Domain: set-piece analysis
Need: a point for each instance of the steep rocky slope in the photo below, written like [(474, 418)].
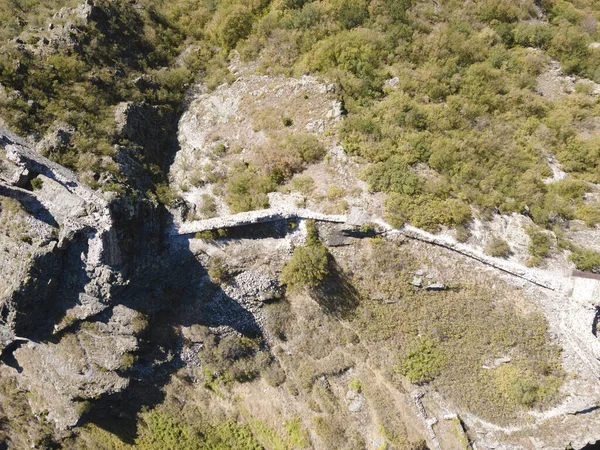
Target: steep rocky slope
[(142, 302)]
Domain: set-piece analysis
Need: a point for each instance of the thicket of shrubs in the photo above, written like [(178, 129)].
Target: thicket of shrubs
[(464, 101)]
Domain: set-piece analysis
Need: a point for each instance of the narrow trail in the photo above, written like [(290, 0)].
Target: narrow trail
[(536, 277), (252, 218)]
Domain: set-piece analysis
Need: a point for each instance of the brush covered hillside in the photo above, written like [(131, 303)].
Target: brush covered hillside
[(288, 224)]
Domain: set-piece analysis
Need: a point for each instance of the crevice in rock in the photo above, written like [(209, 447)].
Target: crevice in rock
[(596, 321)]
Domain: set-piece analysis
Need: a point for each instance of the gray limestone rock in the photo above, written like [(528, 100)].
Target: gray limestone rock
[(417, 281), (436, 287)]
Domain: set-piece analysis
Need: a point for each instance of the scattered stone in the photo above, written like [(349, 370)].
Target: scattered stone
[(357, 403), (504, 360), (436, 287), (417, 282), (497, 363), (324, 382)]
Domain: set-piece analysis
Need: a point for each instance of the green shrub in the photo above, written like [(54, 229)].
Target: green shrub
[(231, 25), (161, 431), (209, 206), (498, 247), (246, 191), (127, 361), (220, 149), (586, 260), (589, 213), (166, 194), (309, 264), (355, 385), (393, 175), (425, 211), (351, 13), (211, 234), (335, 192), (234, 358), (540, 243), (307, 268), (37, 183), (308, 147), (423, 362), (217, 270), (303, 184)]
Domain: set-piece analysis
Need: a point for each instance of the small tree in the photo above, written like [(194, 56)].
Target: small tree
[(423, 362), (309, 264), (540, 243), (498, 247), (307, 268)]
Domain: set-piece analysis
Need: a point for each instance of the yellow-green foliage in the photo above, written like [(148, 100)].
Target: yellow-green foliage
[(355, 385), (303, 184), (423, 362), (282, 160), (127, 361), (247, 190), (444, 338), (307, 268), (540, 243), (295, 436), (497, 247), (465, 103), (587, 260), (159, 431), (309, 264), (233, 358)]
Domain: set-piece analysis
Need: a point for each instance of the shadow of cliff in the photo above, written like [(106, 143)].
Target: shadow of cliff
[(70, 285), (172, 290)]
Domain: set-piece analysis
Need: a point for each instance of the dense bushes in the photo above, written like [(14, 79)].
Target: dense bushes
[(463, 104), (425, 211), (247, 190), (587, 260), (117, 55), (497, 247), (161, 431), (423, 362)]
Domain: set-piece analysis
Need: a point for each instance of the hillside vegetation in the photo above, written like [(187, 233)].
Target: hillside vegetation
[(461, 125), (444, 116)]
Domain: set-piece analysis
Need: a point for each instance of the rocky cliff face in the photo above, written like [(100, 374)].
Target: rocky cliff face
[(62, 265)]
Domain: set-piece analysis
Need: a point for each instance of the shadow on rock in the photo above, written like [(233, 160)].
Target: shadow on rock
[(176, 293), (336, 294)]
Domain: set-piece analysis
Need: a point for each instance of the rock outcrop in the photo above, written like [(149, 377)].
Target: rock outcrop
[(61, 265)]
